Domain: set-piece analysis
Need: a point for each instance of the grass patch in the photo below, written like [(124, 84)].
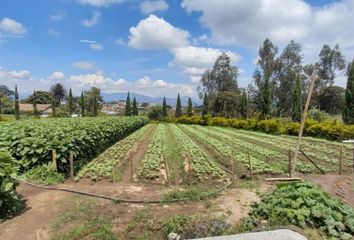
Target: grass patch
[(80, 221), (246, 185), (44, 175), (192, 194)]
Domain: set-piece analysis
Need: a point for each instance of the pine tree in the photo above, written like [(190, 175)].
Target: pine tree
[(135, 108), (266, 99), (205, 110), (70, 103), (190, 108), (128, 106), (297, 101), (17, 106), (348, 112), (34, 102), (244, 105), (82, 104), (164, 107), (178, 107)]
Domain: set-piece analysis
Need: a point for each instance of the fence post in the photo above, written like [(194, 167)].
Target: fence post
[(250, 164), (54, 160), (340, 160), (71, 160)]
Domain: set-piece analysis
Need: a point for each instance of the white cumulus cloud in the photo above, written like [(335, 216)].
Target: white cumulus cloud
[(57, 16), (148, 7), (100, 3), (11, 26), (56, 76), (155, 33)]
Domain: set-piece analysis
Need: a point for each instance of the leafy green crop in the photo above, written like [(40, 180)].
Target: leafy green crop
[(44, 174), (305, 205), (31, 141), (10, 202)]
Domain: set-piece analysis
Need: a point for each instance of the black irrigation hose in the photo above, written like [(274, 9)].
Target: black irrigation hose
[(122, 200)]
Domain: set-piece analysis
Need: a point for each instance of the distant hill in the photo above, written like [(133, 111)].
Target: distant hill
[(143, 98)]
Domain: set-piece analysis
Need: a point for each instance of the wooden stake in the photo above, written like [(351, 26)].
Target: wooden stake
[(353, 157), (340, 160), (71, 160), (309, 95), (165, 163), (189, 169), (250, 164), (232, 164), (54, 160), (290, 173)]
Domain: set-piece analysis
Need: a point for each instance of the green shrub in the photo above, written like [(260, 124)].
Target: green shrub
[(332, 130), (304, 205), (175, 224), (44, 175), (10, 202)]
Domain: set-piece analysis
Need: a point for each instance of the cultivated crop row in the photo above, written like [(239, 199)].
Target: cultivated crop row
[(229, 152), (201, 165), (110, 164), (153, 159), (31, 141), (324, 152)]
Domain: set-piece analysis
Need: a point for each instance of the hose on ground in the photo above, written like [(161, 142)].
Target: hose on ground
[(122, 200)]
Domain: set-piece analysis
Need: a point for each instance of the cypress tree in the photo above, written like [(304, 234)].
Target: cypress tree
[(205, 110), (17, 106), (128, 106), (82, 104), (34, 102), (190, 108), (297, 101), (178, 107), (164, 107), (135, 108), (348, 112), (266, 98), (244, 105), (94, 105), (70, 103)]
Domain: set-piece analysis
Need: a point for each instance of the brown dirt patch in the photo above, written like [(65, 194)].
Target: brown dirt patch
[(340, 186), (137, 154)]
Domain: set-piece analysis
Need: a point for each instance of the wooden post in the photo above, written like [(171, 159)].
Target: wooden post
[(189, 169), (165, 163), (353, 158), (54, 160), (312, 84), (71, 160), (340, 160), (290, 173), (250, 164)]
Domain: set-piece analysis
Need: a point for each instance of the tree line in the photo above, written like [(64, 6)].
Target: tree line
[(279, 85)]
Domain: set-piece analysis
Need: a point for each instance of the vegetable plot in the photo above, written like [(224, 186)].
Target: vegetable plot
[(202, 166), (109, 164), (31, 141), (150, 165)]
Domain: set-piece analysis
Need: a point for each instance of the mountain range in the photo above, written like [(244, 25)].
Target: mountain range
[(143, 98)]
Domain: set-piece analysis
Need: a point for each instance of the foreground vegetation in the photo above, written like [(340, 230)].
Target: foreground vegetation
[(31, 142)]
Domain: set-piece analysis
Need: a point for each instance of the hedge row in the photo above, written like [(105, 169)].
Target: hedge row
[(31, 141), (330, 130)]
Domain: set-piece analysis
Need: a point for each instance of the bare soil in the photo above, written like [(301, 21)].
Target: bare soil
[(137, 154)]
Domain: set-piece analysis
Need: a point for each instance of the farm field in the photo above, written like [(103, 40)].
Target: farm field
[(161, 162)]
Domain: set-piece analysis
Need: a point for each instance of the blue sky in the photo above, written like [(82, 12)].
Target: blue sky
[(156, 47)]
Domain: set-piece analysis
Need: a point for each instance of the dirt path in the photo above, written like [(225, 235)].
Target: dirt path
[(41, 207), (338, 186), (138, 155)]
